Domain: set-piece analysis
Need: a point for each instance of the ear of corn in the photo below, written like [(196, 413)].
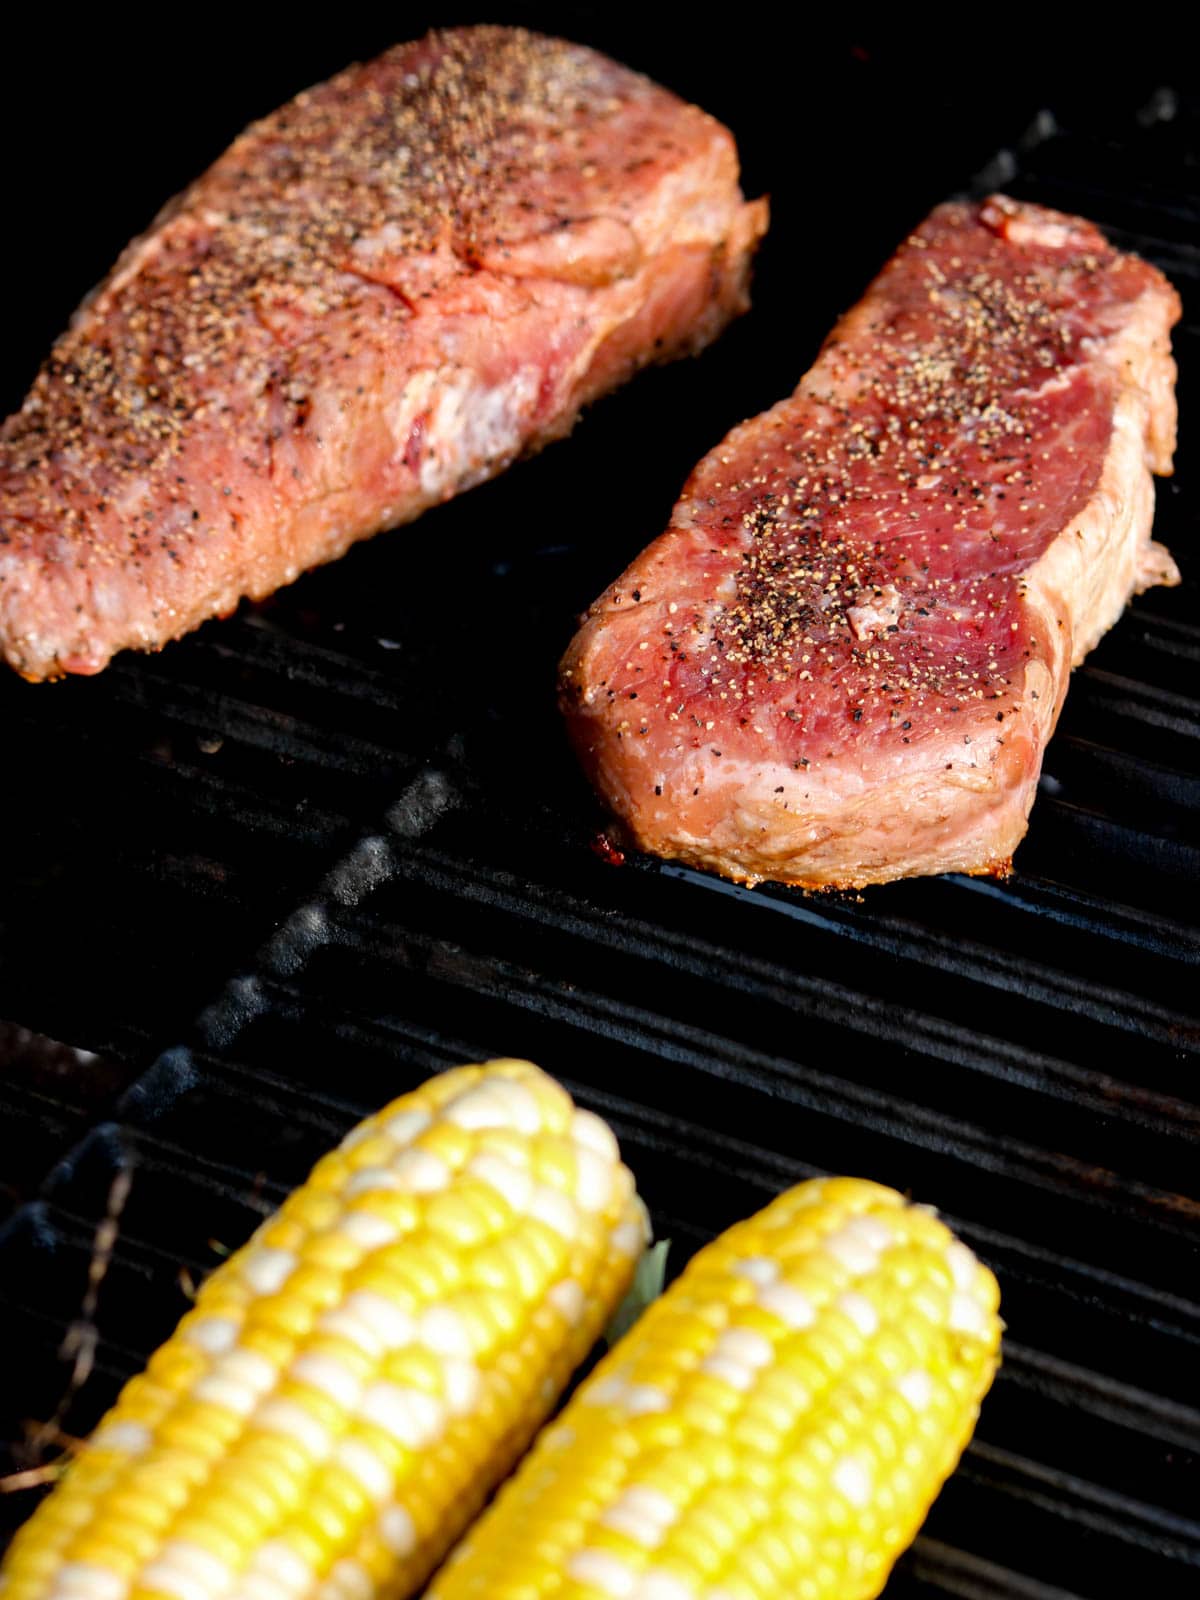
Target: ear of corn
[(353, 1382), (774, 1428)]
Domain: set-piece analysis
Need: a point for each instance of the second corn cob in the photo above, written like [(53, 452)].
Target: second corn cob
[(352, 1383), (775, 1427)]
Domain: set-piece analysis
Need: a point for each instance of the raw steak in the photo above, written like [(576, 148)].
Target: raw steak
[(843, 660), (380, 295)]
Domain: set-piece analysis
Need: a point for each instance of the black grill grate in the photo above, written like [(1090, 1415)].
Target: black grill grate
[(405, 817)]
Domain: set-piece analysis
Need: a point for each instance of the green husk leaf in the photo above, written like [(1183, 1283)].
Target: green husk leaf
[(648, 1281)]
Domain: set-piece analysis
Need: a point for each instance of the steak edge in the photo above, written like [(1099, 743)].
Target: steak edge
[(842, 662), (382, 294)]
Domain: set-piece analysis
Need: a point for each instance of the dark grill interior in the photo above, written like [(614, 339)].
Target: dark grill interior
[(278, 874)]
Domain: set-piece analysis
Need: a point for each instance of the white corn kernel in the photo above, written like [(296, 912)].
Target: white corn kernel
[(968, 1316), (789, 1304), (398, 1531), (330, 1377), (917, 1389), (556, 1210), (84, 1581), (345, 1325), (367, 1229), (388, 1322), (500, 1103), (654, 1585), (228, 1393), (851, 1479), (405, 1126), (629, 1238), (508, 1180), (731, 1372), (567, 1297), (131, 1438), (445, 1332), (603, 1571), (594, 1180), (759, 1269), (463, 1385), (963, 1266), (365, 1466), (638, 1528), (276, 1559), (643, 1515), (248, 1367), (258, 1586), (642, 1398), (653, 1503), (214, 1334), (347, 1580), (285, 1416), (593, 1133), (180, 1585), (267, 1270), (854, 1253), (367, 1180), (745, 1346), (861, 1313), (414, 1418), (871, 1231), (420, 1171), (188, 1557), (608, 1391)]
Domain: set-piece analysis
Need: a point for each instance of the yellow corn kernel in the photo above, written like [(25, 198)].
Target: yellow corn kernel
[(351, 1384), (777, 1424)]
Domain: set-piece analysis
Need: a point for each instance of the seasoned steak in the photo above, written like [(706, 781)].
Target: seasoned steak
[(842, 661), (380, 295)]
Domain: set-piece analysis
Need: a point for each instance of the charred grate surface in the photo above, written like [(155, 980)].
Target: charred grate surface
[(357, 852)]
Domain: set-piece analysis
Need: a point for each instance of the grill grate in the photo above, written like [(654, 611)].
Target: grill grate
[(405, 817)]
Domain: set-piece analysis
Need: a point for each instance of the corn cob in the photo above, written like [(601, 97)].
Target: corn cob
[(353, 1382), (776, 1425)]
